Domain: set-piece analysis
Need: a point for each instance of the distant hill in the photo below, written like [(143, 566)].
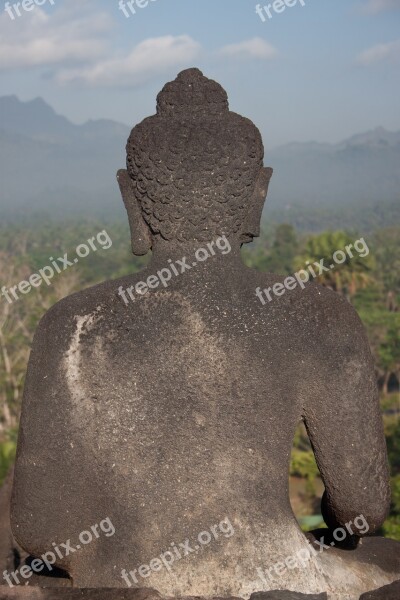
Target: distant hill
[(48, 163), (363, 169), (355, 183), (38, 121)]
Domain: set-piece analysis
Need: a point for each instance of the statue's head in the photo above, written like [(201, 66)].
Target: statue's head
[(195, 170)]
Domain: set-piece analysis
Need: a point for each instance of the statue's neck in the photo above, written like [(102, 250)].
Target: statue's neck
[(213, 255)]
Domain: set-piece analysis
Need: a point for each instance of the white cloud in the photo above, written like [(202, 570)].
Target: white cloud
[(150, 57), (75, 41), (373, 7), (68, 36), (254, 48), (381, 52)]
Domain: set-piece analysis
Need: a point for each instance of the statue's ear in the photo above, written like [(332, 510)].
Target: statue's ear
[(264, 178), (251, 226), (140, 232)]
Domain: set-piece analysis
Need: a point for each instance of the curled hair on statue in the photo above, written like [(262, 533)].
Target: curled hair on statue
[(195, 164)]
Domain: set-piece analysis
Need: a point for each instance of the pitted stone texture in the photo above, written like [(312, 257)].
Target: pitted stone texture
[(139, 594), (388, 592), (24, 593), (11, 554), (282, 595), (194, 158), (175, 412), (7, 557)]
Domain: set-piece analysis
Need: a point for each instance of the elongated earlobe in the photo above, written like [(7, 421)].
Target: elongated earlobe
[(263, 183), (251, 226), (140, 233)]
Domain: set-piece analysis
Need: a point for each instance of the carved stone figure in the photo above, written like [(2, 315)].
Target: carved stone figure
[(166, 402)]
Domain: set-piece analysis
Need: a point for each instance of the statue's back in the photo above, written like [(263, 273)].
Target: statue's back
[(165, 404)]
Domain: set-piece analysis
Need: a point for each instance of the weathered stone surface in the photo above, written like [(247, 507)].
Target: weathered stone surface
[(27, 593), (7, 558), (171, 411), (12, 556), (388, 592), (138, 594), (281, 595)]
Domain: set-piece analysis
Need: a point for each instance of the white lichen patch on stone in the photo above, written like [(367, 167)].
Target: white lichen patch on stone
[(74, 356)]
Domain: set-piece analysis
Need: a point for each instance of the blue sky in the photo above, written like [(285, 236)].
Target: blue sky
[(320, 72)]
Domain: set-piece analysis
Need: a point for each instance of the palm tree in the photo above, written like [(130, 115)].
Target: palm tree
[(348, 269)]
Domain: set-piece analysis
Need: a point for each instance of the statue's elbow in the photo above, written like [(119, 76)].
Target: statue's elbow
[(364, 515), (376, 514)]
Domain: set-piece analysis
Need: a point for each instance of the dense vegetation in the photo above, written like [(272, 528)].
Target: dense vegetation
[(371, 283), (369, 216)]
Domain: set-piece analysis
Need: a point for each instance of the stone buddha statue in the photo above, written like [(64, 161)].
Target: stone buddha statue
[(166, 402)]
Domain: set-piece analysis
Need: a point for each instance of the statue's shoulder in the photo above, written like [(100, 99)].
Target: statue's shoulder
[(308, 298), (63, 315), (329, 304), (331, 318)]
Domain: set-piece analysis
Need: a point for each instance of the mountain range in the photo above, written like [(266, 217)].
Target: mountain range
[(48, 163)]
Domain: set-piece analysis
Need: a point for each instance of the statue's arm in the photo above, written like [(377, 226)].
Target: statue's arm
[(42, 424), (344, 424)]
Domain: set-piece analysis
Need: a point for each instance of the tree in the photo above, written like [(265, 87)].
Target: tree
[(389, 355), (346, 278), (276, 257)]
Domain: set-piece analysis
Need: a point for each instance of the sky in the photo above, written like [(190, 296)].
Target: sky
[(319, 72)]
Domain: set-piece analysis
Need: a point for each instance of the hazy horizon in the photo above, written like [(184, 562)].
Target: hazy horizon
[(323, 71), (376, 129)]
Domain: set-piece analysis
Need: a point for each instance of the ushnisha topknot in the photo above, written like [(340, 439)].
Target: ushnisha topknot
[(194, 165), (192, 94)]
